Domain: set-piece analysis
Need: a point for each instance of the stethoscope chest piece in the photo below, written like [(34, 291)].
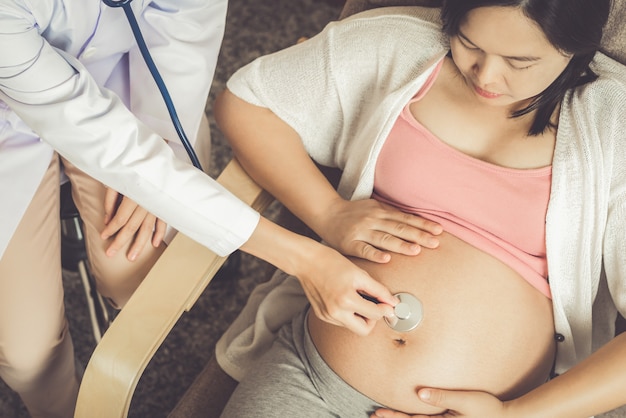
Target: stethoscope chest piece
[(408, 313)]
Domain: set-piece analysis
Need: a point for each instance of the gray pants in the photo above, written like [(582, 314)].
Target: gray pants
[(292, 380)]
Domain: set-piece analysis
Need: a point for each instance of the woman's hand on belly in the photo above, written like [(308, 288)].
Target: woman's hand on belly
[(370, 230), (467, 404)]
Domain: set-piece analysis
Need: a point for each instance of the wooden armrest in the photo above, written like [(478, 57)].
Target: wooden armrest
[(139, 329)]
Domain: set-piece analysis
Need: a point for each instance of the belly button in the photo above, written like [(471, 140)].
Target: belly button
[(399, 342)]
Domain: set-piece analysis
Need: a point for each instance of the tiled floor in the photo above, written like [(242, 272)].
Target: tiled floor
[(254, 27)]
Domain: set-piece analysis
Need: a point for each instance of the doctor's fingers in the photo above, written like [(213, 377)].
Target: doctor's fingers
[(159, 233), (121, 214), (138, 231), (128, 219), (362, 319), (351, 311), (151, 230), (111, 200), (346, 318)]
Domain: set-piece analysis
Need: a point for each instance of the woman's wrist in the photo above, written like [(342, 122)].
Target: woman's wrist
[(321, 221)]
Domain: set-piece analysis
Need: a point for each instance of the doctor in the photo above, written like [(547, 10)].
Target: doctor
[(76, 97)]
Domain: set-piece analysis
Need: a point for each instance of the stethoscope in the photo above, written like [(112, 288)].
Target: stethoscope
[(125, 4), (408, 312)]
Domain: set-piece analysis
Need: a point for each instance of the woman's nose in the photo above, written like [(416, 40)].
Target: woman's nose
[(487, 70)]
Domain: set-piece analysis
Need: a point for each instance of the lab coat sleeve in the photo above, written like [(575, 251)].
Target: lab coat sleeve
[(184, 38), (55, 95)]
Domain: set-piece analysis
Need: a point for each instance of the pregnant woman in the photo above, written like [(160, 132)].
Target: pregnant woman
[(487, 143)]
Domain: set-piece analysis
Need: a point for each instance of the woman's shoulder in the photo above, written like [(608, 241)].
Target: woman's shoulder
[(611, 81), (597, 109), (604, 97), (429, 16), (385, 39), (391, 26)]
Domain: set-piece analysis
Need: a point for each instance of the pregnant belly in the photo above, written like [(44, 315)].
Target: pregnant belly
[(484, 328)]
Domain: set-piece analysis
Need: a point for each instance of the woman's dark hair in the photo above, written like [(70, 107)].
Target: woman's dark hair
[(573, 27)]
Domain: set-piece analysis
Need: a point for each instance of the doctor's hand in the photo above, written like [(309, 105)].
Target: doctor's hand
[(468, 404), (370, 229), (127, 221), (334, 285)]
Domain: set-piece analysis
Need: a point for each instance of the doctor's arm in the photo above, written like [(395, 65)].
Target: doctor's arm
[(33, 75), (184, 39), (143, 168)]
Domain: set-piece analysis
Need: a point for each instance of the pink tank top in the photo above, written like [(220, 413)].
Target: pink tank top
[(498, 210)]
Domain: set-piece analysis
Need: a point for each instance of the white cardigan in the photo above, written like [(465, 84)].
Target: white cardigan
[(70, 71), (342, 91)]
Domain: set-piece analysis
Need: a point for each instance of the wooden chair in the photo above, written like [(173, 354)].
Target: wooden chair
[(122, 355)]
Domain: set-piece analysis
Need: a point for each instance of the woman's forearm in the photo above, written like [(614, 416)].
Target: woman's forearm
[(596, 385), (273, 155)]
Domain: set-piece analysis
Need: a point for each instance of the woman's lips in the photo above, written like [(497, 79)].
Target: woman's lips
[(486, 94)]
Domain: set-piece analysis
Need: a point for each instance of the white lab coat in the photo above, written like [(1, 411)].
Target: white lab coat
[(61, 61)]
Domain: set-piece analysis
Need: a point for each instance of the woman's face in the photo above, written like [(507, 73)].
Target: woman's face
[(504, 56)]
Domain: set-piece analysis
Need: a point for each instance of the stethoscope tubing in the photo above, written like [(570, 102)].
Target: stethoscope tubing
[(145, 53)]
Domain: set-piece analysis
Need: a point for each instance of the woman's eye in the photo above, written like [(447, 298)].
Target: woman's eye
[(466, 45)]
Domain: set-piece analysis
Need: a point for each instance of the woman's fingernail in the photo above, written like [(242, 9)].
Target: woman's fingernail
[(424, 394)]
